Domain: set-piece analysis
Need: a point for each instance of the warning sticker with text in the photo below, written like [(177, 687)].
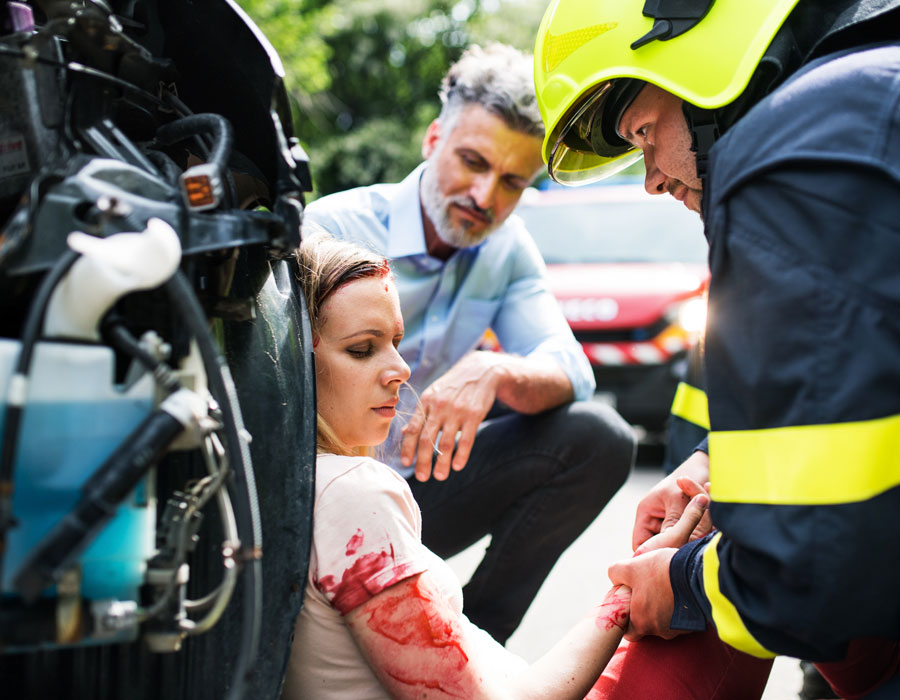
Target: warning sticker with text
[(13, 155)]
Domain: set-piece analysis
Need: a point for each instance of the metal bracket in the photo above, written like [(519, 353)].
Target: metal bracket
[(671, 18)]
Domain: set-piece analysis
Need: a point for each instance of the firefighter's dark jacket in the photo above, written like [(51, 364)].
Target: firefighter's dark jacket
[(803, 367), (689, 418)]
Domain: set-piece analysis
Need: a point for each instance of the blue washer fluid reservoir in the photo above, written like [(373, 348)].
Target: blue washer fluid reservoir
[(74, 419)]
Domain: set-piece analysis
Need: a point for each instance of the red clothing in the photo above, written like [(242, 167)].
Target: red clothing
[(869, 663), (695, 666), (700, 666)]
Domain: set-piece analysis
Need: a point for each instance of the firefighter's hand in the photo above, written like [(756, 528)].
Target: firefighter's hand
[(647, 573), (664, 503), (452, 406), (652, 600)]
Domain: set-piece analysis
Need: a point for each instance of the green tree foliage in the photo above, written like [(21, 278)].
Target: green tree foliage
[(298, 29), (364, 74), (385, 68)]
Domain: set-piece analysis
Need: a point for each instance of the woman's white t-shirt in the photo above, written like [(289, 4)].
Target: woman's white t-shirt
[(367, 536)]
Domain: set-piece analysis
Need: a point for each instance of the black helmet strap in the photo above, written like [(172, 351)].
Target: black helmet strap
[(705, 131), (708, 125)]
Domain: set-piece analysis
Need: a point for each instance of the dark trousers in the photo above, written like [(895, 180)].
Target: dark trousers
[(534, 483)]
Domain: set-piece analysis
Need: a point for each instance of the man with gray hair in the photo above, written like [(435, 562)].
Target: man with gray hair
[(503, 443)]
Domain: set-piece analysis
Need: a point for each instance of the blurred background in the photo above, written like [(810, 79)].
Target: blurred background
[(363, 75)]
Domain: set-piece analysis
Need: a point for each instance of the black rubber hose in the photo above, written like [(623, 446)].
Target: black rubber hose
[(187, 127), (222, 388), (168, 167), (15, 404), (114, 332)]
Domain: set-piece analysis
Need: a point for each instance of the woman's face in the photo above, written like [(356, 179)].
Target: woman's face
[(358, 368)]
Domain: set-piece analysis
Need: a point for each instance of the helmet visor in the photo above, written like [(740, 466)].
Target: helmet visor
[(587, 146)]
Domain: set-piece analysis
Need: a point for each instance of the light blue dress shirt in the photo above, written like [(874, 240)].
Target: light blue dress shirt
[(500, 284)]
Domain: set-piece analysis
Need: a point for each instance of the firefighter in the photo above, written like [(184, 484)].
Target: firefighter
[(778, 121)]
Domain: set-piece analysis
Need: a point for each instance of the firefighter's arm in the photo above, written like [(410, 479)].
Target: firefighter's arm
[(798, 364)]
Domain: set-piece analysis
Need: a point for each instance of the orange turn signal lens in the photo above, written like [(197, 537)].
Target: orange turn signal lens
[(199, 191), (202, 186)]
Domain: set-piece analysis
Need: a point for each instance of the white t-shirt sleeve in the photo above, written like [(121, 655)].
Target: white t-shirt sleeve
[(368, 534)]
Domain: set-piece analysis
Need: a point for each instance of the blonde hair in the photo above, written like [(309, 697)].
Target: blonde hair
[(327, 264)]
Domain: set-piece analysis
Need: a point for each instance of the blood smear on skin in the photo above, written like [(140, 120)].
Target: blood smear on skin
[(418, 620), (406, 621), (613, 611)]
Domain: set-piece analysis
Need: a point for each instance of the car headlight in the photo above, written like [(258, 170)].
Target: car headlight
[(691, 315)]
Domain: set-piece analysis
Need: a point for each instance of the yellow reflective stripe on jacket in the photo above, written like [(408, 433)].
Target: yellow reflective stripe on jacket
[(690, 403), (725, 616), (806, 464)]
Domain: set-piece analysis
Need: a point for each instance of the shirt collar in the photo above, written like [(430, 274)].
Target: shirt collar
[(406, 235)]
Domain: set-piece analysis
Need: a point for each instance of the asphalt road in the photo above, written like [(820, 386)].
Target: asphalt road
[(579, 580)]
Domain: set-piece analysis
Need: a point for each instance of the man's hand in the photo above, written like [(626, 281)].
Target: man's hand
[(454, 404), (664, 503)]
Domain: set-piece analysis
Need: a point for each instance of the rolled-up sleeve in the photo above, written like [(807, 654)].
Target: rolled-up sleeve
[(531, 323)]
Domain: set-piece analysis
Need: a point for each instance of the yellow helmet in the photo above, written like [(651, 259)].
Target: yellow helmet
[(703, 51)]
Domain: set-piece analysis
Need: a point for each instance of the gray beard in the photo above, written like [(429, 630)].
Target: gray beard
[(437, 208)]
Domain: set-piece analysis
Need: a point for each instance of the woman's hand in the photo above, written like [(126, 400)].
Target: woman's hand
[(615, 608), (689, 525), (691, 488), (665, 502)]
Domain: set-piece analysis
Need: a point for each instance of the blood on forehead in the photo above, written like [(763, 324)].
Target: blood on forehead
[(382, 271), (386, 273)]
